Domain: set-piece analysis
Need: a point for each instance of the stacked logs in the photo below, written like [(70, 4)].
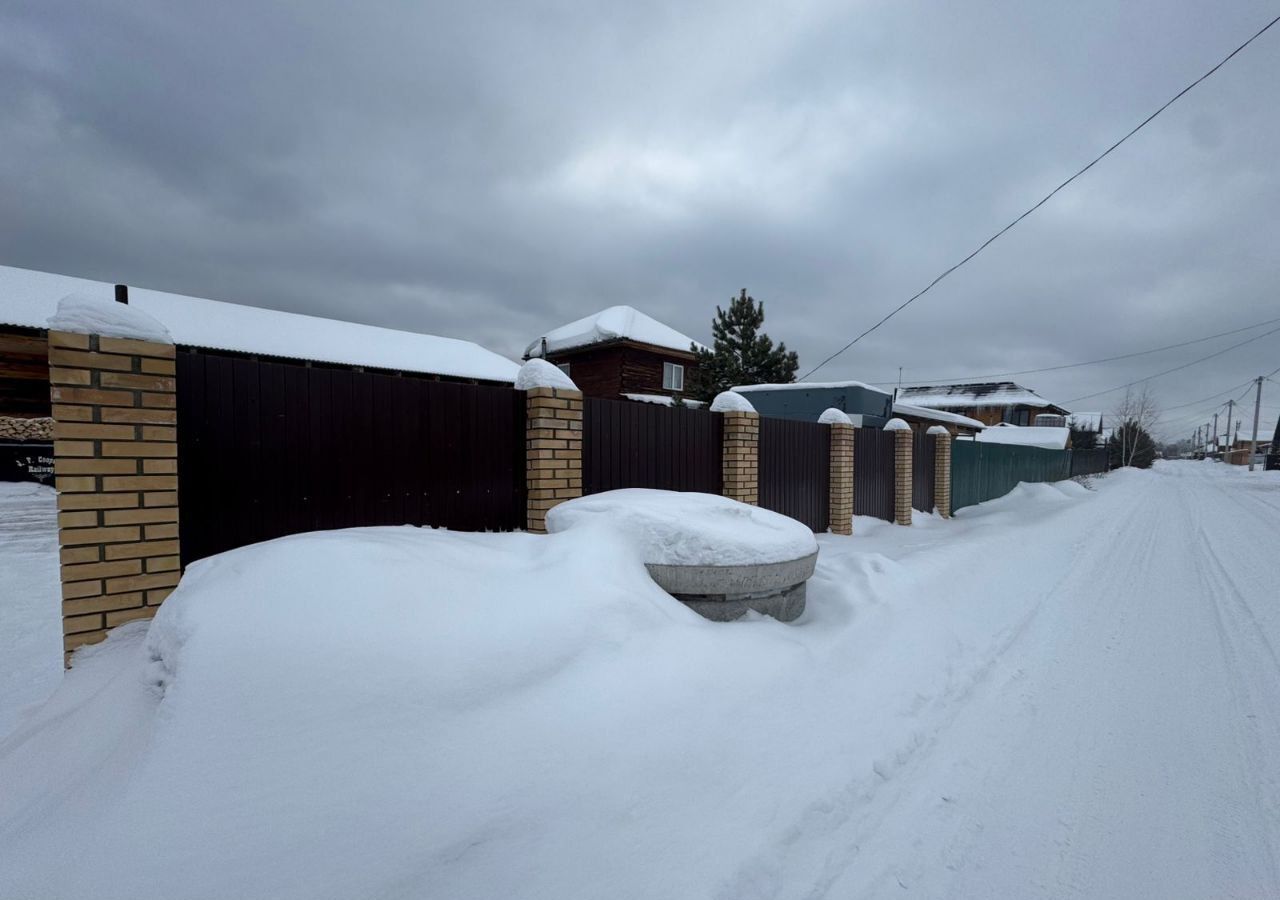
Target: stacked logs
[(13, 428)]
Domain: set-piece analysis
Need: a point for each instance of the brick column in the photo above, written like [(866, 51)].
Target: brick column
[(115, 466), (841, 478), (740, 457), (901, 474), (942, 471), (553, 442)]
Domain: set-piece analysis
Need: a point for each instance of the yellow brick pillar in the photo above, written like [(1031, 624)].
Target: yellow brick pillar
[(901, 470), (116, 471), (740, 457), (841, 471), (941, 470), (553, 442)]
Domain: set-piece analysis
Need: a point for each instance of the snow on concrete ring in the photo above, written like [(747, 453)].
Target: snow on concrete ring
[(716, 555)]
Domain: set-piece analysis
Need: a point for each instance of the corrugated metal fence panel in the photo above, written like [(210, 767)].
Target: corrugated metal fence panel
[(873, 482), (795, 470), (922, 470), (985, 471), (268, 449), (643, 445), (1089, 462)]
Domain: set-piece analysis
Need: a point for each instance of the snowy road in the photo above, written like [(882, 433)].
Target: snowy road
[(1127, 742)]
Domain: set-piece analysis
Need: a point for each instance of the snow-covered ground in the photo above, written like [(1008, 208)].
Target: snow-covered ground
[(30, 603), (1061, 693)]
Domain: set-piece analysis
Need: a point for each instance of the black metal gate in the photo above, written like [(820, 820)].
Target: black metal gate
[(795, 470), (923, 450), (626, 444), (873, 483), (268, 449)]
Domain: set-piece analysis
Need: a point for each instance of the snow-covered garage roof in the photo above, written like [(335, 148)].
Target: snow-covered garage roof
[(617, 323), (972, 396), (1045, 437), (28, 298), (936, 415)]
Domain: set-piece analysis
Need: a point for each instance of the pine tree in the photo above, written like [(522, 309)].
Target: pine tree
[(741, 353)]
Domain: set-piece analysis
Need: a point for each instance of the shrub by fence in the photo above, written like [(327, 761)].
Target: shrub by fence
[(643, 445), (271, 448), (985, 471), (873, 473), (795, 470)]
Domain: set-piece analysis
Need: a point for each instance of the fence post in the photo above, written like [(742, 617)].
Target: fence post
[(553, 459), (901, 470), (841, 478), (941, 470), (116, 471), (741, 456)]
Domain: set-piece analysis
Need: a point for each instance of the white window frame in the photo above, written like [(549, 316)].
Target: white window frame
[(563, 367), (672, 377)]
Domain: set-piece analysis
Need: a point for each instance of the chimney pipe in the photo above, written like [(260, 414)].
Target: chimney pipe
[(122, 294)]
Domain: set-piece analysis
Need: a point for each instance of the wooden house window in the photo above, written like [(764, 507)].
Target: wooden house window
[(672, 377), (563, 367)]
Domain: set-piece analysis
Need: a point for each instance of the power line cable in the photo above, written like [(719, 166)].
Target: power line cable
[(1091, 362), (1175, 368), (1045, 199)]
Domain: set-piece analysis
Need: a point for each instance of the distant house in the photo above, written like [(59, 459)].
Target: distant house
[(990, 403), (866, 405), (621, 353)]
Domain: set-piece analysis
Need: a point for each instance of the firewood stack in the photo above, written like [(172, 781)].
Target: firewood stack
[(16, 429)]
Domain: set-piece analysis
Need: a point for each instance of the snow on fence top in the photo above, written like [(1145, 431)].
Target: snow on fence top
[(671, 528), (938, 430), (82, 314), (663, 400), (945, 396), (833, 416), (538, 373), (613, 324), (896, 425), (1046, 438), (806, 386), (29, 299), (727, 401), (936, 415)]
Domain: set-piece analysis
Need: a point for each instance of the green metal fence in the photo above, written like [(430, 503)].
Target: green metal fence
[(985, 471)]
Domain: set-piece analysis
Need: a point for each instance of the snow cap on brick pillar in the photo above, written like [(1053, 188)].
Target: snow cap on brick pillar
[(942, 470), (901, 470), (739, 454), (841, 480), (112, 383), (553, 439)]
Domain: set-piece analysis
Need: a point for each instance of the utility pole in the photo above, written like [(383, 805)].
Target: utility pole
[(1215, 433), (1230, 444), (1257, 411)]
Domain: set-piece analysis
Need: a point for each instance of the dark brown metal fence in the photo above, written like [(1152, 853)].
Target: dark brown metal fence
[(270, 448), (643, 445), (923, 447), (795, 470), (873, 483)]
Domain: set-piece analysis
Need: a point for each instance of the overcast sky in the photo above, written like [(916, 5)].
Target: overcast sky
[(490, 171)]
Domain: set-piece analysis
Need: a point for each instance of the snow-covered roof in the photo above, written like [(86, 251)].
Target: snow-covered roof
[(29, 298), (1045, 437), (936, 415), (808, 386), (617, 323), (971, 396)]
